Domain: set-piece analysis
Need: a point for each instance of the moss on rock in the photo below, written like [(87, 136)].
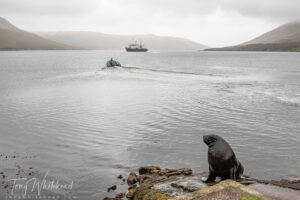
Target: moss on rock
[(224, 190), (146, 193)]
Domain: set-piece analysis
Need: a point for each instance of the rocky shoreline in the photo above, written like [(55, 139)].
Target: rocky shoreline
[(154, 183)]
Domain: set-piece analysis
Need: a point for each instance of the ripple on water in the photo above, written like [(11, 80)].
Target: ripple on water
[(92, 125)]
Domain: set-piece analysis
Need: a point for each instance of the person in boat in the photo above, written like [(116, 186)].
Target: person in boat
[(112, 63)]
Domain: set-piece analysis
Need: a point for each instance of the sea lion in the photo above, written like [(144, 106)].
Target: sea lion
[(221, 159)]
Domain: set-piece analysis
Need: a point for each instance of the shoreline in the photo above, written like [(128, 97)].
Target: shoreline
[(153, 183)]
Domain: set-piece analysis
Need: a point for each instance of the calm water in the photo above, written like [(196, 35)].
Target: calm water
[(61, 114)]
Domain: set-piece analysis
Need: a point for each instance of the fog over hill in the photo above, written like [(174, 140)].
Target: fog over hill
[(96, 40), (13, 38)]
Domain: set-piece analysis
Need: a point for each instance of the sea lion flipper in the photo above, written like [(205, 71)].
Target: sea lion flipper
[(233, 173), (240, 170), (211, 176)]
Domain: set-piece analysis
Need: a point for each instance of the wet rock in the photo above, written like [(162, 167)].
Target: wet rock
[(144, 178), (225, 190), (175, 172), (160, 179), (114, 187), (130, 194), (120, 176), (186, 188), (132, 179), (276, 192), (182, 184), (109, 198), (132, 186), (146, 193), (149, 170), (154, 176), (120, 196), (165, 175), (295, 180), (176, 186), (292, 184)]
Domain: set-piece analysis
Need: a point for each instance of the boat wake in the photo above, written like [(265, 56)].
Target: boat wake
[(133, 72), (286, 99), (142, 74), (165, 71), (290, 100), (150, 74)]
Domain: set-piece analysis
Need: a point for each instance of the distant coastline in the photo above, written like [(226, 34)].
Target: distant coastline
[(271, 47), (285, 38), (13, 38)]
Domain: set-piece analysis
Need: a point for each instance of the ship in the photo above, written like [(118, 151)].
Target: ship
[(135, 47)]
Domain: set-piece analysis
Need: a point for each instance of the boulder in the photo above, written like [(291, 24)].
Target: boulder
[(120, 176), (132, 186), (132, 178), (146, 193), (144, 178), (149, 170), (181, 184), (114, 187), (109, 198), (225, 190), (152, 170), (175, 172), (130, 194), (120, 196)]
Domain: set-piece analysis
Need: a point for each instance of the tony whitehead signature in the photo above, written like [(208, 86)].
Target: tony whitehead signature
[(24, 186)]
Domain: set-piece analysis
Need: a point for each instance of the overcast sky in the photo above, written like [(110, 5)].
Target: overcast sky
[(211, 22)]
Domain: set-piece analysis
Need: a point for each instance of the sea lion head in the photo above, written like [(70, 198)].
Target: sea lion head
[(211, 140)]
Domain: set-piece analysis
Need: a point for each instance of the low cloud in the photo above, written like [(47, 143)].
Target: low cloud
[(270, 9), (213, 22), (287, 10), (48, 7)]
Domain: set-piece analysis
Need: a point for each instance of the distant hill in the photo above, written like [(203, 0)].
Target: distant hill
[(286, 33), (95, 40), (289, 47), (283, 38), (13, 38)]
